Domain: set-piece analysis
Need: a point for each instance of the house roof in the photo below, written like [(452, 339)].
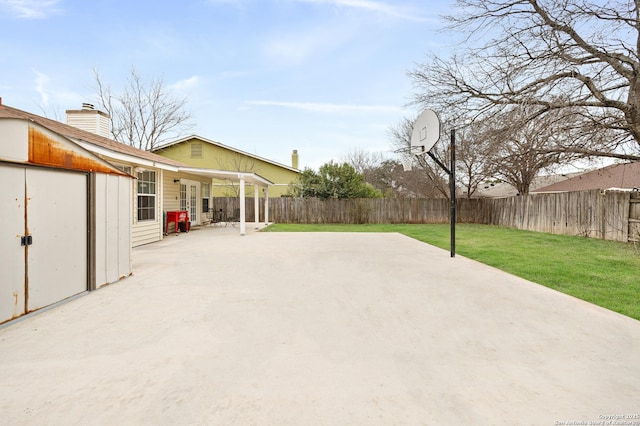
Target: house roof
[(503, 189), (104, 145), (221, 145), (622, 176), (119, 151)]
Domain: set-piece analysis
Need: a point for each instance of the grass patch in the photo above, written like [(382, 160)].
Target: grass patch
[(605, 273)]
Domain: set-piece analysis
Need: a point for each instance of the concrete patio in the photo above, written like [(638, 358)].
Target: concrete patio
[(328, 329)]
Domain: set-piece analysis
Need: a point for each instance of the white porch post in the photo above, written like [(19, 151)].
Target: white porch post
[(256, 206), (266, 205), (242, 206)]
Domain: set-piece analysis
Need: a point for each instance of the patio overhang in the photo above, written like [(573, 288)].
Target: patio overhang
[(250, 178), (242, 178)]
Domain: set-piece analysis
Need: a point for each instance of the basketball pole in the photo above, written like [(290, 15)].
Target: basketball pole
[(452, 192), (425, 134), (451, 171)]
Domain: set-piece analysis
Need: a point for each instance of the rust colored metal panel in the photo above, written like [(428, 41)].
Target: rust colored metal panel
[(48, 150)]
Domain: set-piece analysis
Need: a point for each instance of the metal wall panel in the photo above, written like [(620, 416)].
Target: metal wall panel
[(12, 260), (125, 207), (57, 220), (13, 144), (113, 228), (101, 247)]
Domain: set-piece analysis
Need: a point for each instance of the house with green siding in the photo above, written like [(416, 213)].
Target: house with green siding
[(200, 152)]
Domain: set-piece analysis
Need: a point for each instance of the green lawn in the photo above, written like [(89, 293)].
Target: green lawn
[(605, 273)]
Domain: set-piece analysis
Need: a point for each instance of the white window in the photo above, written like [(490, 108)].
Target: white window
[(146, 195), (206, 193), (183, 196), (126, 169)]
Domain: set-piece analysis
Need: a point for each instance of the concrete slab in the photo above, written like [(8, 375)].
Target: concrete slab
[(294, 328)]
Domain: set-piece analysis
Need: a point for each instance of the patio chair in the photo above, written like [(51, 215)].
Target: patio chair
[(234, 218), (219, 218)]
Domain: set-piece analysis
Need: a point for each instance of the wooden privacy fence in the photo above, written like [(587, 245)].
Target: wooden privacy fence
[(595, 213), (612, 215), (634, 217)]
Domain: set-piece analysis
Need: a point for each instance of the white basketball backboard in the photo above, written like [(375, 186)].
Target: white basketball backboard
[(426, 131)]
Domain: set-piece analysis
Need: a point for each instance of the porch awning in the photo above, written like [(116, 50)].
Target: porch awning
[(251, 178)]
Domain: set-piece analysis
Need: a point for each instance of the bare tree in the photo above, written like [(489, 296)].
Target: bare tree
[(553, 55), (362, 160), (51, 111), (238, 163), (521, 148), (145, 114), (474, 157), (370, 166)]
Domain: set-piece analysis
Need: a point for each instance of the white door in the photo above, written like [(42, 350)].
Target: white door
[(12, 271), (189, 199), (51, 208)]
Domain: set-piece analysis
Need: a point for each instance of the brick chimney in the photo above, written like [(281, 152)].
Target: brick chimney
[(294, 159), (90, 119)]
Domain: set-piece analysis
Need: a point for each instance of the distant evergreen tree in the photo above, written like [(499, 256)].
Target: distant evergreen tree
[(334, 180)]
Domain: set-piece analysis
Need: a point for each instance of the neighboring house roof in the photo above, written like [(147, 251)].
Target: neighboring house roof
[(221, 145), (503, 189), (119, 151), (619, 176)]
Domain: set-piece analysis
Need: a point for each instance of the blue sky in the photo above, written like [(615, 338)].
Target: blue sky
[(325, 77)]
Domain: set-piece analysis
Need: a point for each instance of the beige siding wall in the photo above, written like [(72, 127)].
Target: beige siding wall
[(172, 195), (171, 192), (146, 232)]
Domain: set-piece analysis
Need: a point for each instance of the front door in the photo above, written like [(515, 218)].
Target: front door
[(189, 199)]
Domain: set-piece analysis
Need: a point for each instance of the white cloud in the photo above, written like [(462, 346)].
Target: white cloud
[(295, 48), (185, 85), (41, 83), (393, 10), (54, 98), (234, 2), (30, 9), (327, 107)]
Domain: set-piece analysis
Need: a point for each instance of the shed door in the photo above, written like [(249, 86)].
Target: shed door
[(51, 207), (12, 271), (57, 220)]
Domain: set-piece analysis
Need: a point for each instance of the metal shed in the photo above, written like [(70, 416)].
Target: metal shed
[(66, 225)]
